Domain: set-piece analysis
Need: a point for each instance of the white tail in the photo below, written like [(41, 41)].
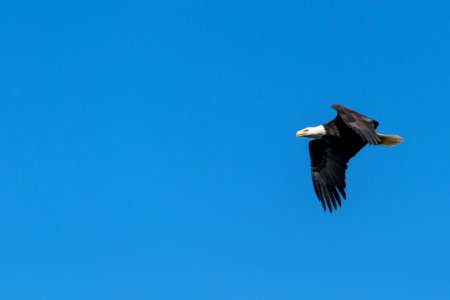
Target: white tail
[(389, 140)]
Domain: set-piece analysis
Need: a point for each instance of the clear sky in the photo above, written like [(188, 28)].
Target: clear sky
[(148, 150)]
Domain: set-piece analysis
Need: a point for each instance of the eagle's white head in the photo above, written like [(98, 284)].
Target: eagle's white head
[(312, 132)]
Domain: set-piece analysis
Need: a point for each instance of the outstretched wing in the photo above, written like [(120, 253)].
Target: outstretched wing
[(328, 165), (362, 125)]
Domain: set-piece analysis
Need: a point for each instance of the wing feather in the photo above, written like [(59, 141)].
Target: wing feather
[(361, 124), (328, 165)]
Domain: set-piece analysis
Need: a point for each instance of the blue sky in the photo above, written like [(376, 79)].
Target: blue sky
[(148, 150)]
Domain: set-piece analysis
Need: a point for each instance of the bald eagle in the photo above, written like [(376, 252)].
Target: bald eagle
[(332, 146)]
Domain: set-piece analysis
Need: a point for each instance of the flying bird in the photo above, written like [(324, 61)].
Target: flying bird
[(332, 146)]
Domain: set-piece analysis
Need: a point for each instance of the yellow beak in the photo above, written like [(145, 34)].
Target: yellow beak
[(300, 133)]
